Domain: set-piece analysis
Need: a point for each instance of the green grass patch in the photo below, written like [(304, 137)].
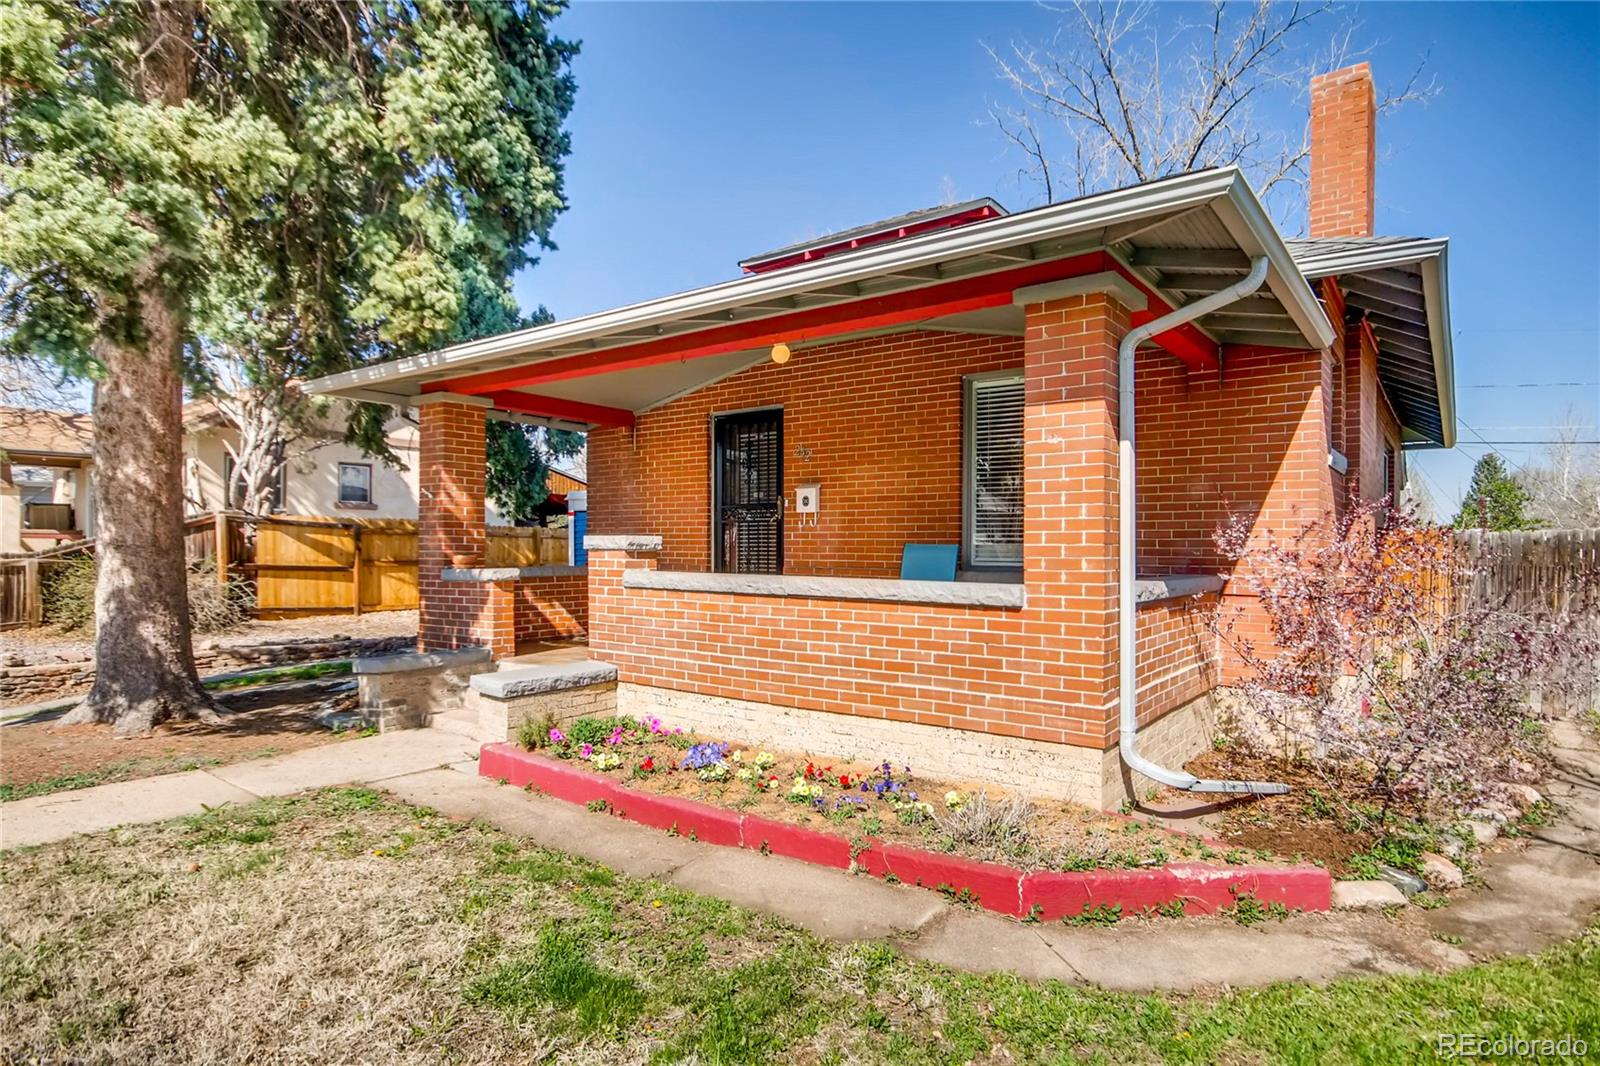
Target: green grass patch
[(126, 770), (560, 972), (273, 675)]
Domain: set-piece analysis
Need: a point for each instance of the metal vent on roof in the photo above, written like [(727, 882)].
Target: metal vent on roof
[(927, 220)]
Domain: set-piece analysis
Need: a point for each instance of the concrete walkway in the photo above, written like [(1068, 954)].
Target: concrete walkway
[(1531, 897), (367, 760)]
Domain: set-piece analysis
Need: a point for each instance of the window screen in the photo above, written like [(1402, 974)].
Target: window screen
[(993, 446)]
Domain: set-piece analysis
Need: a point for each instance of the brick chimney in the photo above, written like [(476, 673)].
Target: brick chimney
[(1344, 111)]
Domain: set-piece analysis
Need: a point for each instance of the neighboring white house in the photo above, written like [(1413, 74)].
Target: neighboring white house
[(322, 475), (47, 474)]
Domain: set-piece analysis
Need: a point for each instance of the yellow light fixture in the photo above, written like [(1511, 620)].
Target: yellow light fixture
[(780, 353)]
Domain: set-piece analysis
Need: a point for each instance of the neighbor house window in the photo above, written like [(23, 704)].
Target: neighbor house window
[(992, 471), (235, 483), (355, 484)]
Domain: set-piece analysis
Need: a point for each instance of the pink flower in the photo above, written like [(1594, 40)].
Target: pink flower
[(654, 724), (587, 749), (615, 737), (557, 736)]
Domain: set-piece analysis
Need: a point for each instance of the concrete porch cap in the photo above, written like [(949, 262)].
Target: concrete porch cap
[(536, 680)]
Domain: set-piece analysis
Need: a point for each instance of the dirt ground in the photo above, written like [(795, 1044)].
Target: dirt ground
[(1309, 819), (43, 755), (1049, 835), (48, 644)]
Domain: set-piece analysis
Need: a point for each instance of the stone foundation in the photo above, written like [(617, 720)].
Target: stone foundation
[(405, 691), (1089, 776)]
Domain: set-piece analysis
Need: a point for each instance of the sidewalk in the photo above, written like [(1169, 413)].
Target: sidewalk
[(368, 760)]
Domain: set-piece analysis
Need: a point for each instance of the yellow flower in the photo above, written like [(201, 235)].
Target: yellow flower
[(655, 903)]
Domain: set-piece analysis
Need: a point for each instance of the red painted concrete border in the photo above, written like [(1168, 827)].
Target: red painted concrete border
[(1045, 895)]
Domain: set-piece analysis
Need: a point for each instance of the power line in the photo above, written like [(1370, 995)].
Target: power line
[(1535, 385), (1512, 443), (1531, 385)]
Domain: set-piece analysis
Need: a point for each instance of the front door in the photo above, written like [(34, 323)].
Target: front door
[(747, 496)]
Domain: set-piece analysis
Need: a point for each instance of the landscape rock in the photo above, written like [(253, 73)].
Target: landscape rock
[(1440, 873), (1483, 832), (1408, 883), (1366, 895), (1525, 796), (1488, 814)]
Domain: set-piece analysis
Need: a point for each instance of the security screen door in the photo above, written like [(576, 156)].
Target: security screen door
[(747, 512)]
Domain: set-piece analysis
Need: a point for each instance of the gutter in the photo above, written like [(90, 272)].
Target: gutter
[(1127, 605)]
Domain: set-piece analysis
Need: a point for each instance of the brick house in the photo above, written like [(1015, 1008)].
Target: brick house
[(763, 450)]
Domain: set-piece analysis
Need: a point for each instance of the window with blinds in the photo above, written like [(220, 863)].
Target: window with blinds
[(992, 448)]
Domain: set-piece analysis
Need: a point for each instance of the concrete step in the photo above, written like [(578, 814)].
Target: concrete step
[(462, 721)]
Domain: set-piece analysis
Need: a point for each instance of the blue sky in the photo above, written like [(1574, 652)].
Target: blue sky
[(707, 132)]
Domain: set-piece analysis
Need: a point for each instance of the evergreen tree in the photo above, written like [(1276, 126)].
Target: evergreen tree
[(319, 180), (1495, 500), (519, 456)]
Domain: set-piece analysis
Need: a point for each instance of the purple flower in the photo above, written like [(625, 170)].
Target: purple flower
[(700, 756), (557, 736), (587, 750)]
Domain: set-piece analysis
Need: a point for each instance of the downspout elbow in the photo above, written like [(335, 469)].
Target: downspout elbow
[(1128, 607)]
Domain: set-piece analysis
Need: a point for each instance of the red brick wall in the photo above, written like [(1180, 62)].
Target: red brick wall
[(1252, 438), (1343, 152), (552, 607), (1178, 654), (1255, 437), (876, 422)]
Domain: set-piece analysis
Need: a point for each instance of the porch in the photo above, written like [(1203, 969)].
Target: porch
[(753, 485)]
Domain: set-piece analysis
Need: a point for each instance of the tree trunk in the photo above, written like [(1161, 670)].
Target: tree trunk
[(144, 662)]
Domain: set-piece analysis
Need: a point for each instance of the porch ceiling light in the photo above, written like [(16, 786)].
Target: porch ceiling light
[(780, 353)]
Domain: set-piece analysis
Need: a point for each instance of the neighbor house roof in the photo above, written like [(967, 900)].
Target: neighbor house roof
[(1401, 286), (30, 434), (1195, 231)]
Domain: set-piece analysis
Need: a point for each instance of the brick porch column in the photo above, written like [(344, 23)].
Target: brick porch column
[(452, 531), (1070, 495), (610, 622)]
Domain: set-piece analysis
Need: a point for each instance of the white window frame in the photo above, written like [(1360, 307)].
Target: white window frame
[(969, 508), (339, 486)]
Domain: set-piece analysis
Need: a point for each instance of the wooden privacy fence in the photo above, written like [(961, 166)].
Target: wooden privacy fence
[(316, 565), (296, 565), (1556, 569)]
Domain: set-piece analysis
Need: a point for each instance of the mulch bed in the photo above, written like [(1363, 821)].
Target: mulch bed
[(1309, 820)]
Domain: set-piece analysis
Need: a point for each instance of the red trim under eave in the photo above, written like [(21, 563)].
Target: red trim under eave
[(954, 297), (555, 407)]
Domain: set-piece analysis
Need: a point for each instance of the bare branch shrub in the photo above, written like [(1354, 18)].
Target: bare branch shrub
[(68, 596), (982, 822), (1380, 668)]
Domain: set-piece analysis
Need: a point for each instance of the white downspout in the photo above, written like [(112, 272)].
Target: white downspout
[(1127, 607)]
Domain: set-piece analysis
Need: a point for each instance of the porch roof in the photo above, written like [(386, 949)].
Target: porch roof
[(1401, 286), (1165, 239)]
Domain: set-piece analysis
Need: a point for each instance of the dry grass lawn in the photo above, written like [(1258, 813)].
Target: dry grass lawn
[(345, 927)]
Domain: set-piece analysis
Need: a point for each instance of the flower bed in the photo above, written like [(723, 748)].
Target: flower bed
[(1007, 855)]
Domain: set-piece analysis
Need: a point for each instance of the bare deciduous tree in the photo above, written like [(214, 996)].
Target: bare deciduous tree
[(1565, 484), (268, 413), (1133, 106)]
